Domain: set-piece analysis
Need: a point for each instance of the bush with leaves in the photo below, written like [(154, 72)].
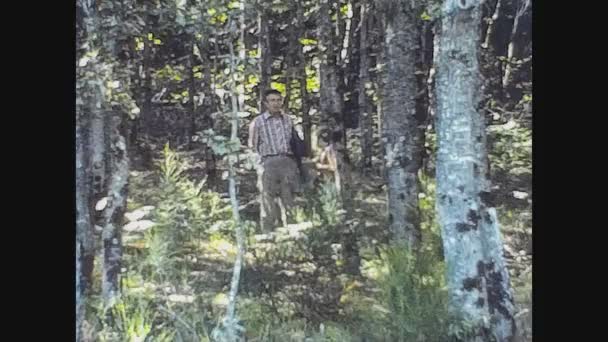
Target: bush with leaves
[(412, 301), (129, 319), (185, 214), (511, 152)]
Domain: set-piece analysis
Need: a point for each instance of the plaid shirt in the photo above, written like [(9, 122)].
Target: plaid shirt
[(272, 134)]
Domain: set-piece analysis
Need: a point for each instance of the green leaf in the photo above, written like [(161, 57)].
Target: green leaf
[(312, 84), (278, 86), (252, 79), (344, 10), (308, 41), (425, 16)]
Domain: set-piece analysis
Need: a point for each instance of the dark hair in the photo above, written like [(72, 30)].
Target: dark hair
[(333, 137), (336, 136), (271, 91)]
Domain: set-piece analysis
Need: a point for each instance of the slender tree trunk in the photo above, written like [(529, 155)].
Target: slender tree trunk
[(115, 209), (477, 277), (519, 55), (494, 46), (265, 52), (98, 150), (290, 58), (85, 252), (305, 108), (401, 130), (209, 106), (365, 109), (230, 325), (288, 74), (89, 101), (423, 98), (331, 102), (190, 127), (80, 296), (350, 65), (429, 162), (379, 34), (423, 67), (90, 175), (146, 113), (332, 120)]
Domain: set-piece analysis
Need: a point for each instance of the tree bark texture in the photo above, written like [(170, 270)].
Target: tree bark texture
[(115, 209), (350, 65), (146, 113), (423, 69), (190, 125), (519, 55), (332, 120), (365, 109), (85, 252), (90, 94), (229, 331), (478, 281), (265, 52), (495, 42), (429, 157), (305, 108), (378, 29), (209, 106), (401, 132), (331, 101)]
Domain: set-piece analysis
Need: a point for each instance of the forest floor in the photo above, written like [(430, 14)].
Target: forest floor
[(288, 273)]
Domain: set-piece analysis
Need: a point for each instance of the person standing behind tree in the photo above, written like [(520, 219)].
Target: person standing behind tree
[(328, 160), (269, 137)]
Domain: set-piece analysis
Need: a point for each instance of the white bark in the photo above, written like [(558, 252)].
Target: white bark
[(230, 329), (476, 273)]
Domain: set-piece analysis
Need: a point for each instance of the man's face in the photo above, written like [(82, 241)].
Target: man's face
[(274, 102)]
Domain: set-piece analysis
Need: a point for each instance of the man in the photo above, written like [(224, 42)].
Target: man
[(269, 137)]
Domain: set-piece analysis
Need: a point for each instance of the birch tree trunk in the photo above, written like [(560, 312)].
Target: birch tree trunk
[(231, 329), (477, 277)]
